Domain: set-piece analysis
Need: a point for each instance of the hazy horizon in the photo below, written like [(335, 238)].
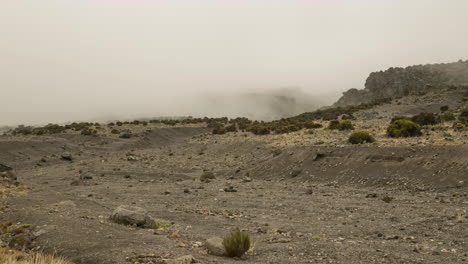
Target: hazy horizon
[(64, 60)]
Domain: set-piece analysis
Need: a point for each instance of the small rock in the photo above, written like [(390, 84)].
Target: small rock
[(295, 172), (207, 176), (7, 172), (126, 135), (132, 215), (183, 260), (318, 155), (230, 189), (66, 156), (247, 179), (387, 199), (215, 246), (86, 177)]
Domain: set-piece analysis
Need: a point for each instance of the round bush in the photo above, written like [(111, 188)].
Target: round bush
[(403, 128), (346, 125), (447, 116), (361, 137), (425, 119)]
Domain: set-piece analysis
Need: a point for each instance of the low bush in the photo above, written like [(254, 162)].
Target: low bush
[(333, 124), (403, 128), (312, 125), (259, 129), (231, 128), (88, 132), (425, 119), (219, 130), (463, 117), (447, 116), (236, 243), (348, 117), (361, 137), (343, 125), (458, 125)]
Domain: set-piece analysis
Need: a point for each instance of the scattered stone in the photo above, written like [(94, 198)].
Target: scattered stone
[(126, 135), (215, 246), (387, 199), (66, 156), (7, 172), (318, 155), (132, 158), (86, 177), (207, 176), (371, 195), (230, 189), (295, 172), (132, 215), (247, 179), (183, 260)]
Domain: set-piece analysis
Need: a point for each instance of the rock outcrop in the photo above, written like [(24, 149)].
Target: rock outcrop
[(412, 80)]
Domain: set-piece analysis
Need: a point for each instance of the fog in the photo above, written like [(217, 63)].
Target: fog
[(67, 60)]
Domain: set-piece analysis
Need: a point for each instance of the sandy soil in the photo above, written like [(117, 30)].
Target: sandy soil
[(303, 198)]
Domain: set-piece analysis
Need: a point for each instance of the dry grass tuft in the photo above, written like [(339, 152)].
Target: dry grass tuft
[(16, 257)]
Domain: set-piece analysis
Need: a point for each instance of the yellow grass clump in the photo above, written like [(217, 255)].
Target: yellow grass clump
[(8, 256)]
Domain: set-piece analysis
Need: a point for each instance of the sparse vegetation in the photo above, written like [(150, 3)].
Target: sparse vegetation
[(447, 116), (16, 257), (361, 137), (89, 132), (343, 125), (403, 128), (219, 130), (425, 119), (259, 129), (236, 243), (463, 117), (312, 125)]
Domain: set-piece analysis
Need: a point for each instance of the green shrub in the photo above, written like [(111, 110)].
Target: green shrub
[(259, 129), (361, 137), (312, 125), (348, 117), (395, 118), (287, 129), (403, 128), (447, 116), (343, 125), (88, 132), (425, 119), (236, 243), (463, 117), (457, 125), (219, 131), (327, 116), (333, 124), (115, 131), (231, 128)]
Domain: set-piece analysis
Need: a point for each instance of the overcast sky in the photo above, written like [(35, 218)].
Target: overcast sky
[(84, 59)]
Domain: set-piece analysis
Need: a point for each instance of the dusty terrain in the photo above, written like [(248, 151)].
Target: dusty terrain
[(304, 198)]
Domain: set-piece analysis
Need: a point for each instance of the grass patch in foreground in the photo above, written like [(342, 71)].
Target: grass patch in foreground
[(15, 257)]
